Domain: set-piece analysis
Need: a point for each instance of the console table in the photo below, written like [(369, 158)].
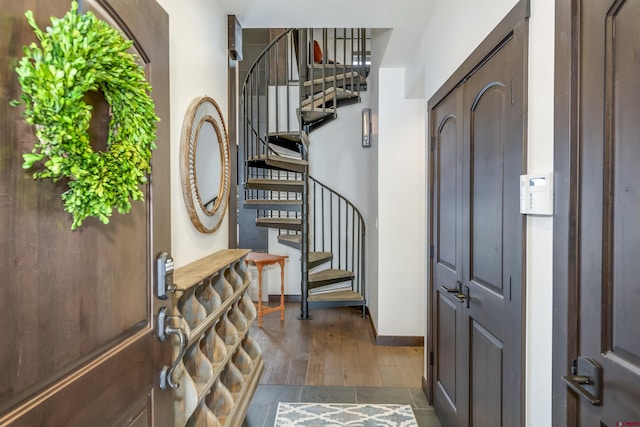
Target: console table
[(217, 363), (260, 260)]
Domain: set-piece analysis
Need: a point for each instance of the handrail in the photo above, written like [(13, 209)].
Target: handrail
[(263, 53)]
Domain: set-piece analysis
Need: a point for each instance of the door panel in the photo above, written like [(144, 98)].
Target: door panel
[(78, 305), (486, 391), (623, 81), (487, 145), (609, 235), (445, 374), (447, 184)]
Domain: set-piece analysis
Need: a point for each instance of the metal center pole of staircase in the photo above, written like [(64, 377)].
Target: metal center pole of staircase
[(304, 256)]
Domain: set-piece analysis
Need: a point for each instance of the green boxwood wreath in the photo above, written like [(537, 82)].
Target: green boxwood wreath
[(80, 53)]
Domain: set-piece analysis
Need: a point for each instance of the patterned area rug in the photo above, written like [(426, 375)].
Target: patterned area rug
[(344, 414)]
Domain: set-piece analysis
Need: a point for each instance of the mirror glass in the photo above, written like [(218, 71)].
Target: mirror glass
[(208, 166), (204, 164)]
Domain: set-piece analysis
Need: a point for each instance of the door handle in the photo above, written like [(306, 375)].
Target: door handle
[(585, 380), (164, 329), (461, 295)]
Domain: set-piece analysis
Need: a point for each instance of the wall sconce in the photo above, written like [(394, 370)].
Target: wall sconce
[(366, 127)]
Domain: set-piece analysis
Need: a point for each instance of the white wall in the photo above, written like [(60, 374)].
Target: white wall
[(453, 30), (540, 229), (379, 42), (198, 57), (401, 209)]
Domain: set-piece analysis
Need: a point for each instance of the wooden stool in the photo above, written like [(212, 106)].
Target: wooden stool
[(260, 260)]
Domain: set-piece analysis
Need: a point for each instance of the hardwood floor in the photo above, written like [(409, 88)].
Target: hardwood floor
[(336, 348)]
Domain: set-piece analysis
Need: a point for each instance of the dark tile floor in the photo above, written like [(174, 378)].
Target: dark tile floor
[(262, 412)]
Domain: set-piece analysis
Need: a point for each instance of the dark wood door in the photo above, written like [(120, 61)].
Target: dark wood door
[(450, 380), (493, 230), (608, 286), (78, 346), (477, 306)]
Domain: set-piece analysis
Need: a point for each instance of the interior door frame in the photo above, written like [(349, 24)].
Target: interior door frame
[(520, 12), (565, 220)]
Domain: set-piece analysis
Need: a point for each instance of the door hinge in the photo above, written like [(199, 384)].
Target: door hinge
[(431, 251), (432, 144), (513, 94), (431, 358)]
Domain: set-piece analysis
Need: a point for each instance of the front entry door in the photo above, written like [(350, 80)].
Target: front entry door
[(77, 307), (603, 375), (477, 288)]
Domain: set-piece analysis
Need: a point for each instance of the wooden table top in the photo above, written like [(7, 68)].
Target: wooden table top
[(264, 258)]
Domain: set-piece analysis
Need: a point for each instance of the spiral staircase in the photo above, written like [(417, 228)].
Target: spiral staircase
[(294, 87)]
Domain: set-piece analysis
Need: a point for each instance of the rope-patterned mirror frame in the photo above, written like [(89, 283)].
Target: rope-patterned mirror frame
[(201, 111)]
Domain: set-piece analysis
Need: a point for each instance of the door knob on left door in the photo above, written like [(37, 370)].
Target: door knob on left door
[(461, 293)]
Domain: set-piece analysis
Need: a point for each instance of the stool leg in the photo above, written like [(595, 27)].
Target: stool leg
[(281, 290), (259, 266)]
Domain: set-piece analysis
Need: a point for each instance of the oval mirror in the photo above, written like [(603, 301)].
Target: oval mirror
[(204, 164)]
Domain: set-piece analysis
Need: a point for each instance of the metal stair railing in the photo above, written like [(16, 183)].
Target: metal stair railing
[(268, 97), (343, 61), (337, 226)]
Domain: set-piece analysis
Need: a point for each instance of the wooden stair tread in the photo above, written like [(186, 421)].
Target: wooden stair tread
[(272, 202), (282, 159), (315, 257), (318, 110), (282, 223), (274, 205), (319, 258), (288, 185), (288, 136), (345, 77), (279, 220), (291, 240), (295, 238), (328, 95), (278, 162), (280, 149), (332, 275), (318, 117), (344, 295)]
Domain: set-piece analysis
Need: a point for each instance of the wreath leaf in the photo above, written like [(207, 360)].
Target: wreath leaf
[(77, 54)]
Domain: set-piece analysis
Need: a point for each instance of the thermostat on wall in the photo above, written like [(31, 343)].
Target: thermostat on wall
[(536, 194)]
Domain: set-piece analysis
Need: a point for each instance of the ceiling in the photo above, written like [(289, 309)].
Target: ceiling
[(405, 17)]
